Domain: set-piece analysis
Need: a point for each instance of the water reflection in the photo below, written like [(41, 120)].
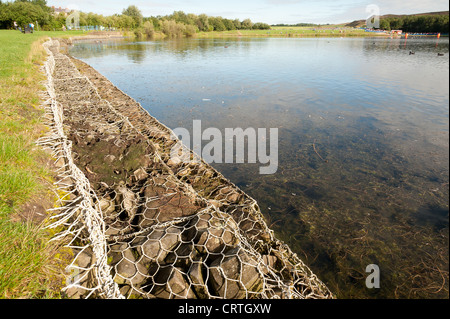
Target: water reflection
[(363, 142), (137, 51)]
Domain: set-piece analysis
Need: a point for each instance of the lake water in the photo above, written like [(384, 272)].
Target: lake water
[(363, 142)]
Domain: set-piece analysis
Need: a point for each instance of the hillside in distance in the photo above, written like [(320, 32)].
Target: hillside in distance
[(360, 23)]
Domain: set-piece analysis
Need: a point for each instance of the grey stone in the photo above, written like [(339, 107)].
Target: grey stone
[(127, 200), (132, 293), (164, 203), (198, 284), (107, 206), (84, 259), (129, 271), (60, 163), (215, 232), (140, 174), (160, 243), (236, 275), (228, 193), (80, 278), (174, 161), (89, 138), (176, 286), (269, 262), (216, 240)]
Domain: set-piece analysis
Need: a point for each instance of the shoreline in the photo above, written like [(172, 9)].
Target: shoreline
[(125, 154), (107, 35)]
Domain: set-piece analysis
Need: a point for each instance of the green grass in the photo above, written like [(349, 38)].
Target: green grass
[(328, 31), (23, 258), (26, 258)]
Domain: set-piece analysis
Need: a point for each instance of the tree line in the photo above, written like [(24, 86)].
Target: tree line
[(417, 23), (180, 23), (298, 25), (131, 18), (24, 12)]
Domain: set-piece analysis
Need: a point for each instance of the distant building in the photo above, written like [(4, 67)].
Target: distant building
[(58, 10)]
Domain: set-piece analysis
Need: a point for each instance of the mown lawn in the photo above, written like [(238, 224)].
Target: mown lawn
[(28, 262)]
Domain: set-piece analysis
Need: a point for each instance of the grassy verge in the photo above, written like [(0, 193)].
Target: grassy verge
[(289, 32), (27, 260)]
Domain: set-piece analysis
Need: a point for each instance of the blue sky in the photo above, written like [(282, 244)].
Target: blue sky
[(269, 11)]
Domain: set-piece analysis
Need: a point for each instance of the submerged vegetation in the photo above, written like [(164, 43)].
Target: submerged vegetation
[(341, 207)]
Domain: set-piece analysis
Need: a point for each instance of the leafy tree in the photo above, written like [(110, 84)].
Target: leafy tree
[(41, 3), (217, 23), (23, 12), (191, 19), (4, 16), (179, 16), (395, 23), (247, 24), (237, 24), (83, 19), (422, 23), (190, 30), (134, 12), (261, 26), (203, 22), (229, 24), (156, 23), (171, 28), (385, 25), (149, 29), (126, 22), (177, 24), (57, 21), (95, 19)]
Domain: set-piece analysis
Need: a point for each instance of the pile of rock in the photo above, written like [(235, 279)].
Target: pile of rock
[(203, 258), (174, 229), (165, 243)]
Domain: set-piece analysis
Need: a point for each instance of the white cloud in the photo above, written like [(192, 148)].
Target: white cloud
[(411, 6), (270, 11)]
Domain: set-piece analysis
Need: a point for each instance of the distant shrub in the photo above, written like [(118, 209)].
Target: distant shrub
[(261, 26), (173, 29), (149, 29), (190, 31), (138, 34)]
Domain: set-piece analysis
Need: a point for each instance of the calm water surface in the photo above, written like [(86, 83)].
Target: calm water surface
[(363, 142)]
